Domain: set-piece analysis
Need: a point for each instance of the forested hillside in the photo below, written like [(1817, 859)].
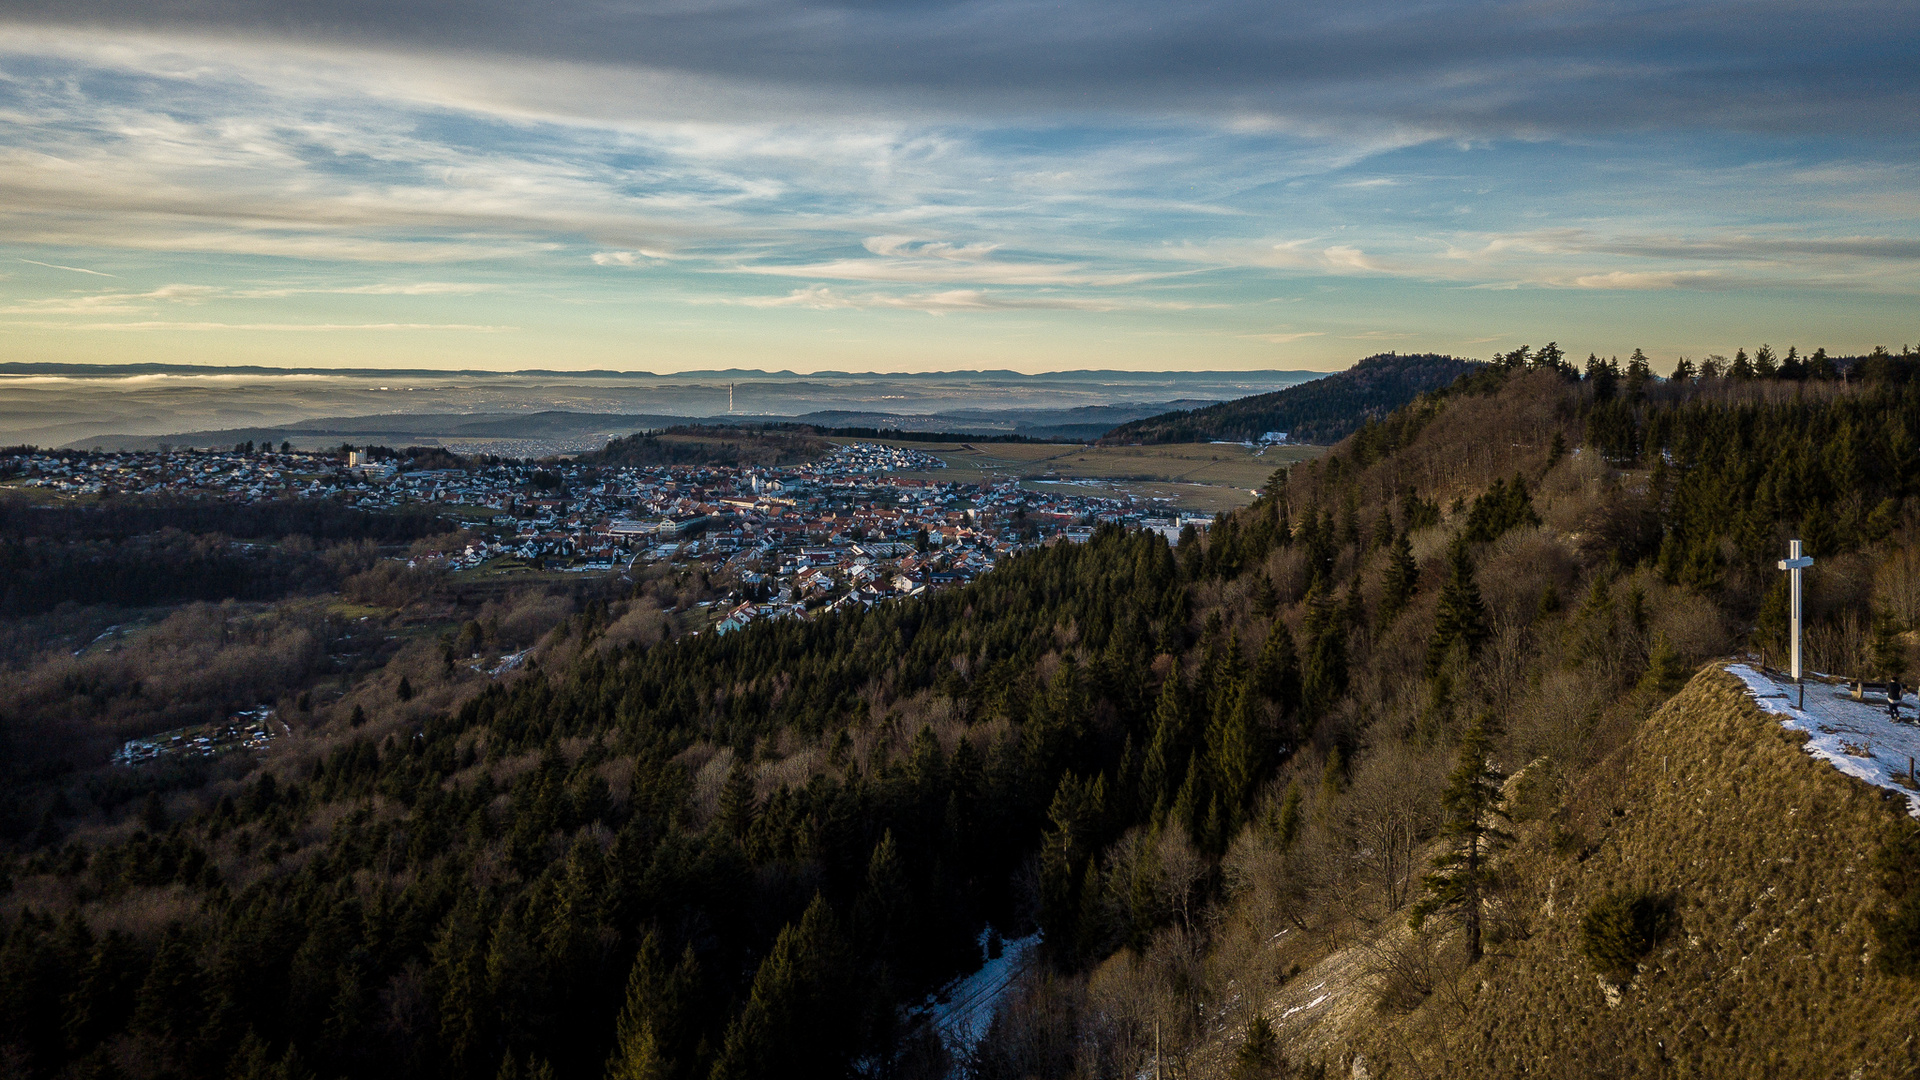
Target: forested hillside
[(1323, 411), (699, 444), (1196, 770)]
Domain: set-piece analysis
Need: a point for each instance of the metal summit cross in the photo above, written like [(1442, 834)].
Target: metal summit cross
[(1793, 564)]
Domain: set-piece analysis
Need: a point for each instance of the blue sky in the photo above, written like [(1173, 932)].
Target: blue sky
[(918, 186)]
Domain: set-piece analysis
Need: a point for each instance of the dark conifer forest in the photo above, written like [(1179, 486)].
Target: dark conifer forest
[(749, 855)]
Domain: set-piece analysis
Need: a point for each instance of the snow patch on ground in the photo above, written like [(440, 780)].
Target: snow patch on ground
[(1304, 1008), (963, 1008), (1856, 737)]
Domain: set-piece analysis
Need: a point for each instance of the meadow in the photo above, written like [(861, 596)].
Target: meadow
[(1197, 476)]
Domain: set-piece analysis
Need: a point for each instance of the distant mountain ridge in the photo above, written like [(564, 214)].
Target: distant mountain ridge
[(1080, 423), (1323, 411)]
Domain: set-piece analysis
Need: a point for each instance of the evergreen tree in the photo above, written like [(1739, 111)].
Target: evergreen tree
[(1462, 620), (1666, 672), (1075, 817), (1258, 1056), (1266, 599), (1741, 368), (738, 804), (1889, 656), (638, 1053), (1821, 366), (1237, 756), (1287, 821), (1399, 580), (1324, 673), (1639, 373), (1168, 749), (1792, 367), (1382, 531), (1603, 376), (1458, 885), (795, 1023), (1276, 674)]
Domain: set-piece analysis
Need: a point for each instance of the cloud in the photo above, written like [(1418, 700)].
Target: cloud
[(115, 302), (57, 266), (1652, 279), (824, 298), (908, 247), (120, 302), (939, 269), (628, 258), (296, 328), (1480, 69), (1282, 339)]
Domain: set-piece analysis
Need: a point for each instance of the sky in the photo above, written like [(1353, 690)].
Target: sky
[(913, 186)]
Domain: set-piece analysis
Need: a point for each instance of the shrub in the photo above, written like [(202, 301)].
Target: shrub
[(1621, 927)]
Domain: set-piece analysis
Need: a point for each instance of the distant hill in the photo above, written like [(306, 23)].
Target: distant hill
[(697, 444), (1323, 411), (1079, 424)]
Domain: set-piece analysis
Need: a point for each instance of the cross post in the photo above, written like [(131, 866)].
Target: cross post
[(1793, 564)]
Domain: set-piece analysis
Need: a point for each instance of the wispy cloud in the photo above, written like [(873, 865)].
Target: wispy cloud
[(57, 266), (1283, 339), (825, 298), (294, 328)]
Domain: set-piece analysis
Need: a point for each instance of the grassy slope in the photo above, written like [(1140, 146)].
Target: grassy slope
[(1769, 973)]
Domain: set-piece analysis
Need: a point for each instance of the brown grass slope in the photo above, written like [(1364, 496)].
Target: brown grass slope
[(1769, 969)]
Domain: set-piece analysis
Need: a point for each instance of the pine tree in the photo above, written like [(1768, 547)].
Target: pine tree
[(1266, 599), (1075, 817), (1666, 672), (1323, 677), (1258, 1056), (1382, 531), (1458, 885), (1237, 758), (1333, 777), (1821, 366), (1639, 373), (1741, 368), (169, 1003), (1276, 674), (1399, 580), (795, 1022), (1889, 656), (1791, 366), (637, 1050), (1169, 745), (1287, 822), (1462, 620), (737, 802)]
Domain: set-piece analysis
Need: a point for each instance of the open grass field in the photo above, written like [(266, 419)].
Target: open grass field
[(1198, 476)]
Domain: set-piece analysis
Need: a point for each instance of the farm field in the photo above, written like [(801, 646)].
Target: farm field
[(1197, 476)]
